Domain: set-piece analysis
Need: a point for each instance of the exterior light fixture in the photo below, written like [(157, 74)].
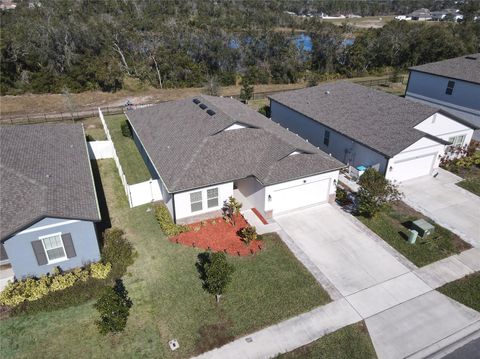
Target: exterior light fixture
[(269, 198)]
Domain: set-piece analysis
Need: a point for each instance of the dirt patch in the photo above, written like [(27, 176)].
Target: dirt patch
[(218, 236), (214, 335)]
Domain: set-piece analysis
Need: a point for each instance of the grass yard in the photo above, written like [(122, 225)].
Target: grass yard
[(352, 342), (132, 162), (465, 290), (168, 298), (471, 180), (392, 225)]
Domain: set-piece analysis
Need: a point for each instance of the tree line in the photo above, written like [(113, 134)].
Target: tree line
[(67, 45)]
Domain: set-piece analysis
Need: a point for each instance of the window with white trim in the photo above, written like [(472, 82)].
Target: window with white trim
[(457, 140), (54, 248), (212, 197), (196, 201)]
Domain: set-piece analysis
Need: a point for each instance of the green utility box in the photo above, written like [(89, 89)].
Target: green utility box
[(423, 227)]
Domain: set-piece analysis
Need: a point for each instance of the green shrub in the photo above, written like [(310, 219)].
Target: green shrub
[(248, 234), (118, 251), (100, 270), (341, 195), (114, 308), (32, 289), (166, 223), (126, 131)]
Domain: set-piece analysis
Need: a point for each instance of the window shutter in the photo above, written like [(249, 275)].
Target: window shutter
[(39, 252), (68, 244)]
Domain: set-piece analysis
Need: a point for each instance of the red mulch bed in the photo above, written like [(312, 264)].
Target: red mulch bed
[(218, 237)]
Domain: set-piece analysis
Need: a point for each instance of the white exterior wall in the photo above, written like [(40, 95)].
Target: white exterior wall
[(341, 147), (463, 102), (331, 179), (182, 200), (444, 127), (420, 152), (100, 149), (254, 193)]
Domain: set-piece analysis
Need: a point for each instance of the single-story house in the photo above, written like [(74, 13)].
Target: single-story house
[(453, 85), (48, 201), (363, 127), (420, 15), (205, 149)]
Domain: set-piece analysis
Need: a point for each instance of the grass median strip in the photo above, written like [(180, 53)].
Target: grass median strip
[(465, 290), (392, 225), (351, 342), (134, 167), (168, 299)]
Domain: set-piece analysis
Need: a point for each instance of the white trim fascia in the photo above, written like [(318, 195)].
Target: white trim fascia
[(36, 229), (443, 103)]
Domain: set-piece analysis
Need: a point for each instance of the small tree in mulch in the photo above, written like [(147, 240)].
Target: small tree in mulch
[(114, 308), (248, 234), (216, 272), (375, 193), (231, 209)]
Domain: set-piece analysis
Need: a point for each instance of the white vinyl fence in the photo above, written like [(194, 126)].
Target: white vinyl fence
[(139, 193)]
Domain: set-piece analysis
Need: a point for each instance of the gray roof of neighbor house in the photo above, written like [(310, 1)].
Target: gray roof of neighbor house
[(466, 68), (45, 172), (381, 121), (188, 146)]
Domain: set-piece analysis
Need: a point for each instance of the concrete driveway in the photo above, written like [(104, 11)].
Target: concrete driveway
[(446, 203), (346, 253)]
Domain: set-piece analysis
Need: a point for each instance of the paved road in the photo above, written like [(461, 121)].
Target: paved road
[(468, 351), (446, 203)]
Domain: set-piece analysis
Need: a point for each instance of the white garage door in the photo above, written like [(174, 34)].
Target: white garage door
[(300, 195), (413, 167)]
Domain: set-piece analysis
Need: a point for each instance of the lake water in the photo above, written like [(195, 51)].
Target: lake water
[(304, 41)]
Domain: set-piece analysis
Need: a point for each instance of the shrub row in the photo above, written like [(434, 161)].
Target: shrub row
[(116, 250), (32, 289), (166, 223)]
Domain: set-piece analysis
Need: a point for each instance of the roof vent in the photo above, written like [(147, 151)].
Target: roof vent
[(471, 57), (203, 106), (327, 92), (196, 101), (211, 112)]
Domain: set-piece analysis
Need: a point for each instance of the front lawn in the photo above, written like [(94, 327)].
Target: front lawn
[(465, 290), (134, 167), (471, 180), (392, 225), (168, 299), (352, 342)]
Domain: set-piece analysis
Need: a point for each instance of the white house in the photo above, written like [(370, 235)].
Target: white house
[(453, 85), (365, 128), (205, 149)]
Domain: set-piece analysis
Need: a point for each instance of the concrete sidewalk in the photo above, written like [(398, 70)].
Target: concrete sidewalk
[(290, 334)]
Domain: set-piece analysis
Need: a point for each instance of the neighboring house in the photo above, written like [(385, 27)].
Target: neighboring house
[(447, 14), (206, 149), (48, 200), (453, 85), (361, 126), (421, 15)]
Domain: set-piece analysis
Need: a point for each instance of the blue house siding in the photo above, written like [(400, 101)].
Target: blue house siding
[(22, 257)]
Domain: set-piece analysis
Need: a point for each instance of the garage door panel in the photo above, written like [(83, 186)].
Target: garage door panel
[(300, 195), (413, 167)]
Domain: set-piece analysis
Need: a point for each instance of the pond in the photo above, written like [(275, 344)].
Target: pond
[(304, 41)]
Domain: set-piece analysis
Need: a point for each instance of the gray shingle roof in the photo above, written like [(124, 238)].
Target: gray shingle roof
[(466, 68), (45, 172), (381, 121), (190, 149)]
